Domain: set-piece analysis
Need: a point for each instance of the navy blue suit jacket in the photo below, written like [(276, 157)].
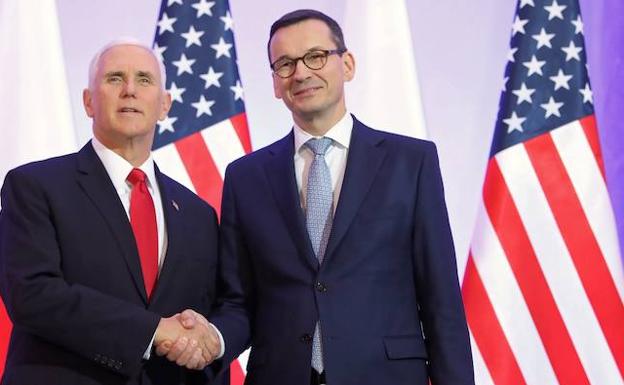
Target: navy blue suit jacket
[(389, 268), (71, 279)]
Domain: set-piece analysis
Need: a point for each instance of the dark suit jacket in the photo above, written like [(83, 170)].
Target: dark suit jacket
[(389, 267), (71, 278)]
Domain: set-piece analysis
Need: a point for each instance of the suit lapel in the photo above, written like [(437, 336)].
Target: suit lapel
[(280, 171), (174, 224), (96, 183), (365, 157)]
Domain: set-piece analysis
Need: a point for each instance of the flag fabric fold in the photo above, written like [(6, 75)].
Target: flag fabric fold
[(544, 284), (35, 106), (378, 33)]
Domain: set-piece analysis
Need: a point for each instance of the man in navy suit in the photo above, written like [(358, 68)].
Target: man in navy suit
[(336, 255), (99, 250)]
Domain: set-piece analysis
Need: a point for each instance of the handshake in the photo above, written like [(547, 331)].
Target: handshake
[(187, 339)]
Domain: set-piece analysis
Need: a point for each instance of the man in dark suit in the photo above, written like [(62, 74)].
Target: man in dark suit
[(99, 250), (337, 259)]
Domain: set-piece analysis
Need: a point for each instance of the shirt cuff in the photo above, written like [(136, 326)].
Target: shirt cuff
[(148, 351), (221, 342)]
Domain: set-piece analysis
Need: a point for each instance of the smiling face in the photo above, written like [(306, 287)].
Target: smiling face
[(125, 98), (311, 95)]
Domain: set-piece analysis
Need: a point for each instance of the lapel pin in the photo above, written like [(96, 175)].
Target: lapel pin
[(175, 205)]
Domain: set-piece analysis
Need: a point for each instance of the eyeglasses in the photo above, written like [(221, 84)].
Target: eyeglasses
[(314, 60)]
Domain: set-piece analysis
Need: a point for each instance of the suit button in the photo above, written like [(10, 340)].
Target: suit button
[(320, 287), (306, 338)]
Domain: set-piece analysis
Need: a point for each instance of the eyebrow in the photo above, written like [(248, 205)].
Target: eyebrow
[(146, 74), (114, 73), (315, 48)]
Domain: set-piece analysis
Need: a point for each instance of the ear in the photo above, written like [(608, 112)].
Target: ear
[(165, 105), (87, 101), (276, 89), (348, 65)]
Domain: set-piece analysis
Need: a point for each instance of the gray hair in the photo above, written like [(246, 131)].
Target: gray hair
[(95, 61)]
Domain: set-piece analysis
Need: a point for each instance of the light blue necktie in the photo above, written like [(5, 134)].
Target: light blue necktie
[(319, 215)]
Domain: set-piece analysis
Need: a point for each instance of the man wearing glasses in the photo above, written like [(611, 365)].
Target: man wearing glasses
[(336, 255)]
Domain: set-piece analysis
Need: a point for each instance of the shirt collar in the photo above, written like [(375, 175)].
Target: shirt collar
[(118, 168), (340, 133)]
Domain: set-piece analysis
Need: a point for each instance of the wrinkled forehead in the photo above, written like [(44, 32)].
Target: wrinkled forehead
[(129, 55)]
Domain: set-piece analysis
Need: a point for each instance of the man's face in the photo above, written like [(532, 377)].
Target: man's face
[(310, 94), (126, 98)]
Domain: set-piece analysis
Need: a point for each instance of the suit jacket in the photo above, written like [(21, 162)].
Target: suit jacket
[(71, 277), (389, 269)]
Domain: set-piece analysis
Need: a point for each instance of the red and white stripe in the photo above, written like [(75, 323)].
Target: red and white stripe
[(198, 162), (544, 283)]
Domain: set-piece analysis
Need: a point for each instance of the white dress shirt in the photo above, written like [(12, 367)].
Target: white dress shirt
[(118, 169), (336, 156)]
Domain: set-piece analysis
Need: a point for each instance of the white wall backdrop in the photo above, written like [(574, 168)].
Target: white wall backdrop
[(459, 47)]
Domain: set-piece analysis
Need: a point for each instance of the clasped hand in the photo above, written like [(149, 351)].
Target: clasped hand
[(187, 339)]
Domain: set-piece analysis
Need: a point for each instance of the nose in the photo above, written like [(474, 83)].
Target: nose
[(302, 72), (129, 88)]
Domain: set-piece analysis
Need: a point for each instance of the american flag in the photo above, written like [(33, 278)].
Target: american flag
[(544, 284), (206, 127)]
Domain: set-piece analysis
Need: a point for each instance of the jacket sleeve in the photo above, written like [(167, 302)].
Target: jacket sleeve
[(40, 302), (231, 315), (441, 307)]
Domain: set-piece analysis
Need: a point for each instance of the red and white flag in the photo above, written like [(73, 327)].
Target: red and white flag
[(378, 32), (35, 105), (544, 283)]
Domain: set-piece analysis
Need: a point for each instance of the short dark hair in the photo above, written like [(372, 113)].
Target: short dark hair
[(300, 15)]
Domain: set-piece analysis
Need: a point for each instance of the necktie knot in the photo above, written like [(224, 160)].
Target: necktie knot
[(136, 176), (319, 146)]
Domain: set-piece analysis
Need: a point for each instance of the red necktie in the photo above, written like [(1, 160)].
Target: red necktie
[(143, 221)]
